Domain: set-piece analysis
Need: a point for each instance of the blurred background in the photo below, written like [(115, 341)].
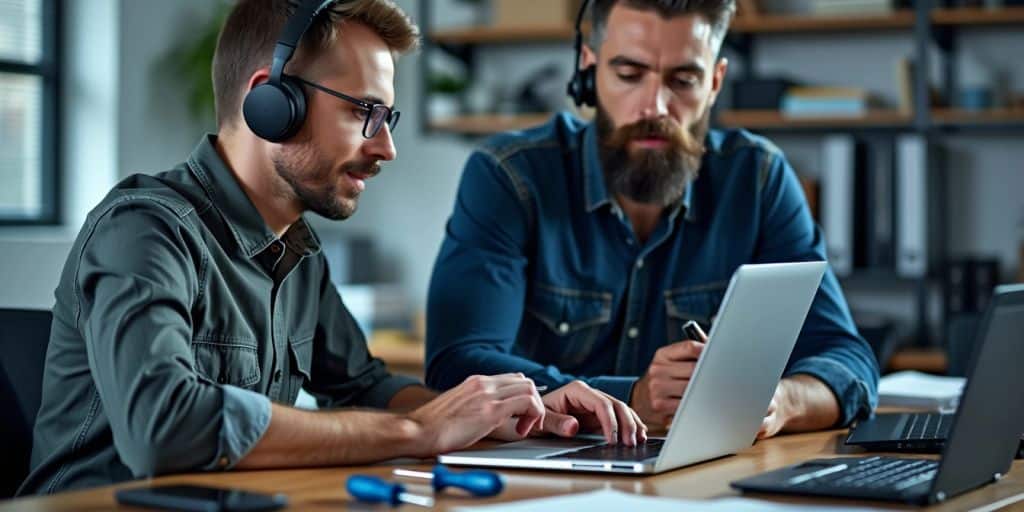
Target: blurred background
[(903, 119)]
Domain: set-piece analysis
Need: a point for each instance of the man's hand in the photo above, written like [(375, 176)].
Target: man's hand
[(470, 411), (775, 418), (657, 394), (577, 405), (801, 403)]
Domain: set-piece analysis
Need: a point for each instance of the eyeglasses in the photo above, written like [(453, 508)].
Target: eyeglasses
[(376, 113)]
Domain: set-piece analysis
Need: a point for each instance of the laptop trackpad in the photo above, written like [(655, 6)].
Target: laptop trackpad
[(530, 448)]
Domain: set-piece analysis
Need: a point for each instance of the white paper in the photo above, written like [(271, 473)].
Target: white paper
[(615, 501), (916, 389)]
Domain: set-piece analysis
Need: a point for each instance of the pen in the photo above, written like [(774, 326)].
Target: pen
[(694, 332)]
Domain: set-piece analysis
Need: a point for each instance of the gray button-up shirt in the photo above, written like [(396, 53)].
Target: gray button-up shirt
[(179, 316)]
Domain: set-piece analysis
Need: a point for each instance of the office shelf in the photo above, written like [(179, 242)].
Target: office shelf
[(768, 24), (493, 35), (775, 120), (488, 123), (955, 117), (967, 16)]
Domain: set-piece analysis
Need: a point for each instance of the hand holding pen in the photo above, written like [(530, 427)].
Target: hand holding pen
[(657, 393)]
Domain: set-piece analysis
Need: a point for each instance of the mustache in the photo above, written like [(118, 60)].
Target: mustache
[(678, 138), (364, 168)]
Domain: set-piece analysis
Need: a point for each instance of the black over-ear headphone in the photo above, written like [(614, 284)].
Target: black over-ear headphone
[(276, 109), (582, 87)]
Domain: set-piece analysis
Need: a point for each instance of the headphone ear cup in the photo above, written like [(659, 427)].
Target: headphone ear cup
[(588, 86), (297, 96), (573, 89), (274, 112)]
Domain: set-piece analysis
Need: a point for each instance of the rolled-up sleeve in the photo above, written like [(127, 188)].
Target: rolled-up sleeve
[(343, 371), (246, 418), (137, 278), (829, 347)]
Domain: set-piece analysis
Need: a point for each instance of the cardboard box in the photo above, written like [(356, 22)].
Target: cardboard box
[(534, 13)]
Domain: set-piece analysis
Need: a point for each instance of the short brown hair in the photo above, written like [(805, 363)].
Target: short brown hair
[(247, 40), (718, 13)]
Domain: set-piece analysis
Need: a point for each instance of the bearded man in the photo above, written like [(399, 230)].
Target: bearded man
[(579, 250)]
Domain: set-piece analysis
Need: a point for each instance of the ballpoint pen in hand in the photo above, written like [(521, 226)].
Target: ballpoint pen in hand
[(478, 483), (372, 489), (694, 332)]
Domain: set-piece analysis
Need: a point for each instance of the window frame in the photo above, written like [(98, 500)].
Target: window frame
[(49, 69)]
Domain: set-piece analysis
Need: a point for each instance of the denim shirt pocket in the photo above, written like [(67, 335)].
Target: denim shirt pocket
[(563, 324), (227, 360), (300, 348), (698, 303)]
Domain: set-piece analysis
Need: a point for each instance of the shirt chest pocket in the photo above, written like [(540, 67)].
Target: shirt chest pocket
[(562, 325), (227, 360), (698, 303)]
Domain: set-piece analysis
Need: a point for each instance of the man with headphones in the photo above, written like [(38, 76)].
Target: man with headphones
[(195, 303), (581, 250)]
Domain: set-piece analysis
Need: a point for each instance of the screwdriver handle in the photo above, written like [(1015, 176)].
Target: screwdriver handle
[(478, 483), (371, 489)]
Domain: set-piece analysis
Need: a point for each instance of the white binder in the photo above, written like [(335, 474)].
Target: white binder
[(838, 166)]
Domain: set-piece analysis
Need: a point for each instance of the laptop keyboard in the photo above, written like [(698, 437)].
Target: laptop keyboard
[(614, 452), (874, 474), (927, 426)]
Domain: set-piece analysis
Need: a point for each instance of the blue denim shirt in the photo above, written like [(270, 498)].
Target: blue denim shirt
[(540, 271)]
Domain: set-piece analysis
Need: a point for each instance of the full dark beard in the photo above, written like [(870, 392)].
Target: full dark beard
[(315, 185), (650, 176)]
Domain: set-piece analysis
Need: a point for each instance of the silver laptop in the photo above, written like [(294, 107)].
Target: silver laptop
[(725, 402)]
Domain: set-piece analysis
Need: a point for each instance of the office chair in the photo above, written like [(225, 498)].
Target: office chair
[(24, 336)]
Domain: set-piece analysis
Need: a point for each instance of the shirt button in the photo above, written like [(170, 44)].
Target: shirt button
[(223, 462), (640, 263), (275, 248), (633, 332), (222, 379), (277, 376), (563, 327)]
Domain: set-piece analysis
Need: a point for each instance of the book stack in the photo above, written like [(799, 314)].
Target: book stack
[(825, 102), (827, 7), (851, 7)]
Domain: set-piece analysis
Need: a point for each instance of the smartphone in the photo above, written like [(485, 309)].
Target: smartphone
[(194, 498)]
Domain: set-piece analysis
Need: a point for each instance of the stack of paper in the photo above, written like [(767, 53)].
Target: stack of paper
[(609, 500), (916, 389)]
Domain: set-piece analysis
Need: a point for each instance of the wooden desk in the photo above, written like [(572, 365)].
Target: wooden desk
[(324, 489)]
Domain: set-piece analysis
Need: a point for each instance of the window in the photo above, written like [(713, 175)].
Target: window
[(29, 102)]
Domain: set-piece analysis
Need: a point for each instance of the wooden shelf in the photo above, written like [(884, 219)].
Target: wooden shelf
[(773, 119), (978, 16), (484, 34), (929, 360), (955, 116), (485, 124), (397, 349), (762, 24)]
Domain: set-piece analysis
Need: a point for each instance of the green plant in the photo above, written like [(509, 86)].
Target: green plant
[(189, 63), (446, 83)]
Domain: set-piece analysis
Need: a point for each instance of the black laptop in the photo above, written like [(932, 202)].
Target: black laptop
[(982, 438)]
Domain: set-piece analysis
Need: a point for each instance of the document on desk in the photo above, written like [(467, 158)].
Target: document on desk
[(615, 501), (916, 389)]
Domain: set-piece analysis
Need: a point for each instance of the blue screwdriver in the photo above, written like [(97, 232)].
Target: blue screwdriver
[(478, 483), (372, 489)]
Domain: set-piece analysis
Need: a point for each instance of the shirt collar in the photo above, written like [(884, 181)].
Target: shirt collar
[(594, 189), (251, 233)]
